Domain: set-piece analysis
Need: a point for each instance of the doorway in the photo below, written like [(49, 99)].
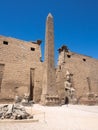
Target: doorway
[(66, 100)]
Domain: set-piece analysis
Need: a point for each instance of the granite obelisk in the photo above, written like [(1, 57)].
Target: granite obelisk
[(49, 91)]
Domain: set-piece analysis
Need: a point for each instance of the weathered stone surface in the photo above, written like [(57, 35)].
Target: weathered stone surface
[(16, 63), (49, 74), (14, 111), (81, 67)]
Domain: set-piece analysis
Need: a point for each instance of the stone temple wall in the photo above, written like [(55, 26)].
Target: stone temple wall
[(20, 68), (81, 68)]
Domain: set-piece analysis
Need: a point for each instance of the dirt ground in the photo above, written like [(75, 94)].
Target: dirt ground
[(71, 117)]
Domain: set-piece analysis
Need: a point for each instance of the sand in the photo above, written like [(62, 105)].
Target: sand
[(71, 117)]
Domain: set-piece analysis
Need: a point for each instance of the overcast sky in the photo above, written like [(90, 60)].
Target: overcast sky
[(75, 22)]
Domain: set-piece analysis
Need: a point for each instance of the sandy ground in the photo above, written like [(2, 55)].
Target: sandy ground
[(71, 117)]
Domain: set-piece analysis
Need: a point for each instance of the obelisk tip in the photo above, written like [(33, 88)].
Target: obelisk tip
[(50, 15)]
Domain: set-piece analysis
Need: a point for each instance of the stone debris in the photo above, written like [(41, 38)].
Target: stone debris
[(14, 111), (24, 101), (17, 99)]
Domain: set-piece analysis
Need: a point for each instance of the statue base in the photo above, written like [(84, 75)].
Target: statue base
[(50, 100)]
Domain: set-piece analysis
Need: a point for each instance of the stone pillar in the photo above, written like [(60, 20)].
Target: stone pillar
[(49, 91)]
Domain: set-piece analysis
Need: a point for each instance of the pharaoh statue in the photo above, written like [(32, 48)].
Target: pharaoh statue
[(68, 85)]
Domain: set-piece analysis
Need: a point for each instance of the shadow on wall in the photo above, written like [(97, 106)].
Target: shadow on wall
[(66, 100)]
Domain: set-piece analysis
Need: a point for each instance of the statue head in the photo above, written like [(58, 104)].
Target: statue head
[(67, 75)]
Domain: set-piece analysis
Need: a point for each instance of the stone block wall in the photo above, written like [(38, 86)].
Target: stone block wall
[(81, 67), (18, 57)]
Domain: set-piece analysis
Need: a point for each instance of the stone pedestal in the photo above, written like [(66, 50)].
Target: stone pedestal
[(50, 100)]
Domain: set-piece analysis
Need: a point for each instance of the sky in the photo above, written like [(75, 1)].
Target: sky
[(75, 23)]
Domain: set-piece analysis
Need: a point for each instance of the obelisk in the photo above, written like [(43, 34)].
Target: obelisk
[(49, 91)]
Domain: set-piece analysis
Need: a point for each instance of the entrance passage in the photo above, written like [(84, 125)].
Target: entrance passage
[(66, 100), (32, 70)]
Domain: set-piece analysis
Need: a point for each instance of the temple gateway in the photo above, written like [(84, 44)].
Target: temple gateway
[(74, 79)]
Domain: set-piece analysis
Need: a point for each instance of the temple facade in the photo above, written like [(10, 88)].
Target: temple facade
[(78, 75), (74, 80), (20, 69)]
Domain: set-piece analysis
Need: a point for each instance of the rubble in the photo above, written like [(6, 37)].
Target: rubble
[(14, 111), (24, 101)]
